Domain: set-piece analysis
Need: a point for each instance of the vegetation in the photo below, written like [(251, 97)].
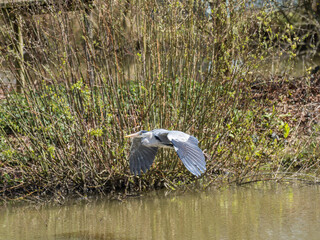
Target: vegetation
[(148, 64)]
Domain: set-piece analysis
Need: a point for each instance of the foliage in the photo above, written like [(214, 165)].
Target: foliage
[(158, 65)]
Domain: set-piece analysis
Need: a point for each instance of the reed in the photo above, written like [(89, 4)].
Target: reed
[(145, 65)]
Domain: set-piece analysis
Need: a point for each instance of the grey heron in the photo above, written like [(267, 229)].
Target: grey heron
[(145, 145)]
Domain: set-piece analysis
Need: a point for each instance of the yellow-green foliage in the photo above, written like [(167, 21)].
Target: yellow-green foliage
[(156, 65)]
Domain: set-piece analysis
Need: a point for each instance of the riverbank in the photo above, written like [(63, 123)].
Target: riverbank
[(155, 66), (284, 135)]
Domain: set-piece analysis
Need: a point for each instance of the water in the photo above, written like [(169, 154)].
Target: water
[(259, 211)]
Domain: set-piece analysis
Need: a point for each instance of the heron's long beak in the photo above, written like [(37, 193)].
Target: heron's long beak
[(132, 135)]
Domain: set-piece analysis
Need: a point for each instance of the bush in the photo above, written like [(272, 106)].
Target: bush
[(145, 65)]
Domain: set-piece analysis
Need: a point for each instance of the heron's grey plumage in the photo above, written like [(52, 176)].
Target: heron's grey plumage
[(145, 145), (141, 157)]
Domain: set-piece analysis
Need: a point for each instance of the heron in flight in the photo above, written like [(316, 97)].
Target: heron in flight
[(145, 145)]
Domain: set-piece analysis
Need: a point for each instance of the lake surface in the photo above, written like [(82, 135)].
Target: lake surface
[(256, 211)]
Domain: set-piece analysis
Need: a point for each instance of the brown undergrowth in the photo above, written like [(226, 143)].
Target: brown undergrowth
[(296, 99)]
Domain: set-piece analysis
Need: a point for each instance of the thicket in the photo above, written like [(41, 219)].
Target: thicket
[(183, 65)]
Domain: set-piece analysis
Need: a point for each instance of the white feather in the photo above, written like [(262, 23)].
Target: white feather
[(149, 140), (178, 136)]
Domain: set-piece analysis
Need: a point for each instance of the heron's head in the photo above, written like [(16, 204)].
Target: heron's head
[(137, 134)]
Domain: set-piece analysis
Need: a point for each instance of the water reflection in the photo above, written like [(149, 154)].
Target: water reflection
[(260, 211)]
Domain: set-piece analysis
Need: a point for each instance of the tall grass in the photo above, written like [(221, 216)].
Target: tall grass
[(145, 65)]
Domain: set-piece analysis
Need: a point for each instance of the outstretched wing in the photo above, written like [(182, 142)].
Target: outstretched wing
[(188, 151), (141, 157)]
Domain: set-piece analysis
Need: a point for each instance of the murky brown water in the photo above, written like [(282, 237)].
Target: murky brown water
[(259, 211)]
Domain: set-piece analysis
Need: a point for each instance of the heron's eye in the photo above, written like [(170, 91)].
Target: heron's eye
[(143, 131)]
